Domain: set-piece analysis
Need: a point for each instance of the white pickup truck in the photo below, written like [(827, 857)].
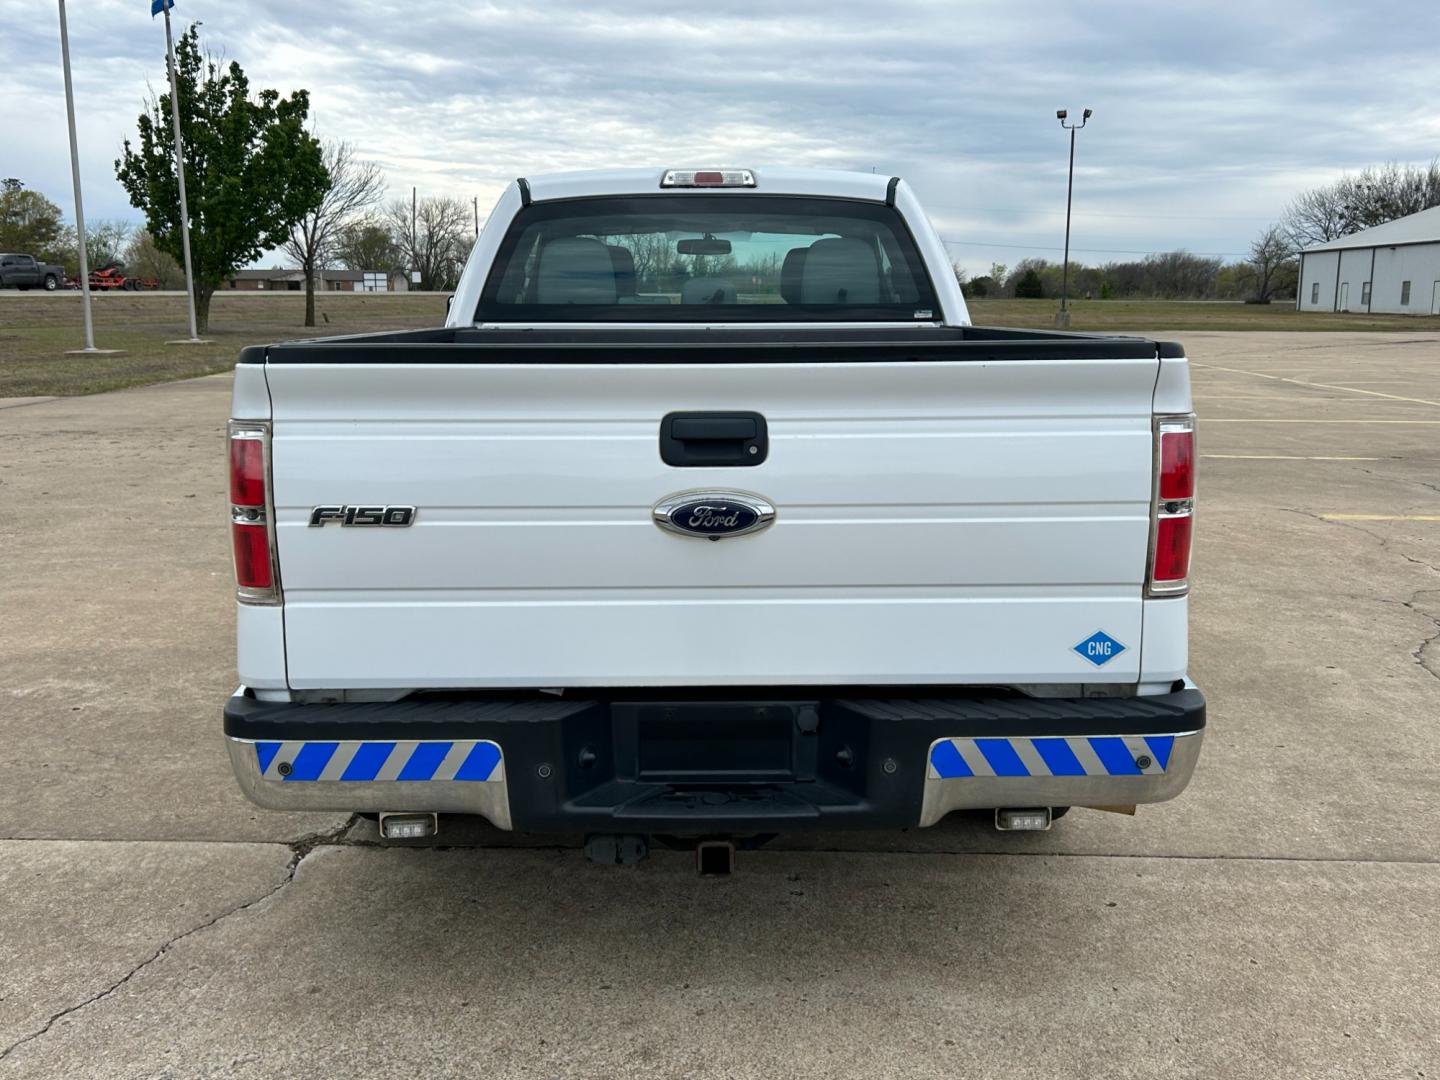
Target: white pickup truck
[(709, 515)]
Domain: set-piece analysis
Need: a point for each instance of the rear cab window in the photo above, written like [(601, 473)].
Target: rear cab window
[(707, 258)]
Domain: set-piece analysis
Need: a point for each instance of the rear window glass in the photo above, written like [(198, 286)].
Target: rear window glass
[(707, 258)]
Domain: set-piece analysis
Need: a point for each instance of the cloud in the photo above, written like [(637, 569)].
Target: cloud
[(1208, 118)]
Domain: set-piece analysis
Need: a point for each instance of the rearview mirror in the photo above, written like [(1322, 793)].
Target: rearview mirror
[(707, 246)]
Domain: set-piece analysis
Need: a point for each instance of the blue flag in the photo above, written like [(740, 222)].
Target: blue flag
[(157, 6)]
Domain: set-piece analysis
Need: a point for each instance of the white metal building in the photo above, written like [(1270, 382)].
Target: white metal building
[(1392, 268)]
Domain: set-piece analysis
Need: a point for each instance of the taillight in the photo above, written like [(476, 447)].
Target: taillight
[(251, 530), (1172, 515), (247, 468)]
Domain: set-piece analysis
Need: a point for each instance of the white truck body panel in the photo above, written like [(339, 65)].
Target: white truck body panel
[(946, 522)]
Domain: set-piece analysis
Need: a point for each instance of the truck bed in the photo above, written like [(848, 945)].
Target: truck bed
[(588, 345)]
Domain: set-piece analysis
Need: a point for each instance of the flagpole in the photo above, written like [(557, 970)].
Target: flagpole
[(180, 169), (75, 180)]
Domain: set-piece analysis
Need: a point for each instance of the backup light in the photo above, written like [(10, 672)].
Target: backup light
[(691, 178), (408, 826), (1035, 819)]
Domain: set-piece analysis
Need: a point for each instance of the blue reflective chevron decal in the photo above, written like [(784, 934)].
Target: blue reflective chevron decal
[(355, 761), (1019, 757)]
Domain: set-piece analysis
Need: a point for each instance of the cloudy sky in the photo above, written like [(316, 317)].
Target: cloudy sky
[(1208, 117)]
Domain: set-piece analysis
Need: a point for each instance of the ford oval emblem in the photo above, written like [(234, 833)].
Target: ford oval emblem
[(713, 515)]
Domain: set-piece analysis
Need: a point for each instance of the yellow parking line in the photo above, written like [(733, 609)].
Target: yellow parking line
[(1321, 385), (1287, 457), (1380, 517)]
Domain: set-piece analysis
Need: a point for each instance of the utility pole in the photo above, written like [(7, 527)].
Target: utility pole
[(414, 238), (194, 338), (1062, 318), (79, 202), (475, 200)]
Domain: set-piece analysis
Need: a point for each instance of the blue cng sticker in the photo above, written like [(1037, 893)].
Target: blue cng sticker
[(1099, 648)]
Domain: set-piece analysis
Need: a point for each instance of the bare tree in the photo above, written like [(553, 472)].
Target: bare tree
[(1270, 253), (144, 260), (1317, 216), (1386, 192), (1370, 197), (105, 243), (433, 242), (355, 186)]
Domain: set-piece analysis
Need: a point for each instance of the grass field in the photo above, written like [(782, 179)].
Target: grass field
[(1158, 316), (36, 329)]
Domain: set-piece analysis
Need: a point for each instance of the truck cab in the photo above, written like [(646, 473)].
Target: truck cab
[(24, 272), (709, 514)]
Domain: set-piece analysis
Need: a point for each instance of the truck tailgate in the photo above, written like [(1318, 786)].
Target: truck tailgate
[(937, 521)]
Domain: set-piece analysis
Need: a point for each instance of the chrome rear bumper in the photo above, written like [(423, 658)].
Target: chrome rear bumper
[(978, 773), (712, 764), (371, 776)]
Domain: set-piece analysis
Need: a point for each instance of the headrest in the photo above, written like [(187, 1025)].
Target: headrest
[(791, 272), (707, 290), (624, 264), (575, 270), (839, 270)]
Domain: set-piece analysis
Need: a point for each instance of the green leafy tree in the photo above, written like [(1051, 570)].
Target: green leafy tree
[(29, 222), (1030, 287), (252, 171), (367, 245)]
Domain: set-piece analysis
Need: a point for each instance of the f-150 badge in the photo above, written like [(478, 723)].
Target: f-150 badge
[(713, 515), (395, 517)]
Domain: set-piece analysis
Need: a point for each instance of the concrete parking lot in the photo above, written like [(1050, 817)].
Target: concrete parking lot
[(1281, 919)]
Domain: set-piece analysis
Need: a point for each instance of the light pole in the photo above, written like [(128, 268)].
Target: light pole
[(1062, 318), (194, 338), (79, 202)]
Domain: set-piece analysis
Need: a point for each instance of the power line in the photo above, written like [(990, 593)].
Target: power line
[(1100, 213), (1097, 251)]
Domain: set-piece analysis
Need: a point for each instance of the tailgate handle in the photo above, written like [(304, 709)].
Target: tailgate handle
[(693, 439)]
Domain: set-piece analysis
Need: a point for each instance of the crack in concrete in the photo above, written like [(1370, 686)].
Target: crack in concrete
[(1419, 653), (1399, 479), (1420, 650), (299, 851), (1383, 541)]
